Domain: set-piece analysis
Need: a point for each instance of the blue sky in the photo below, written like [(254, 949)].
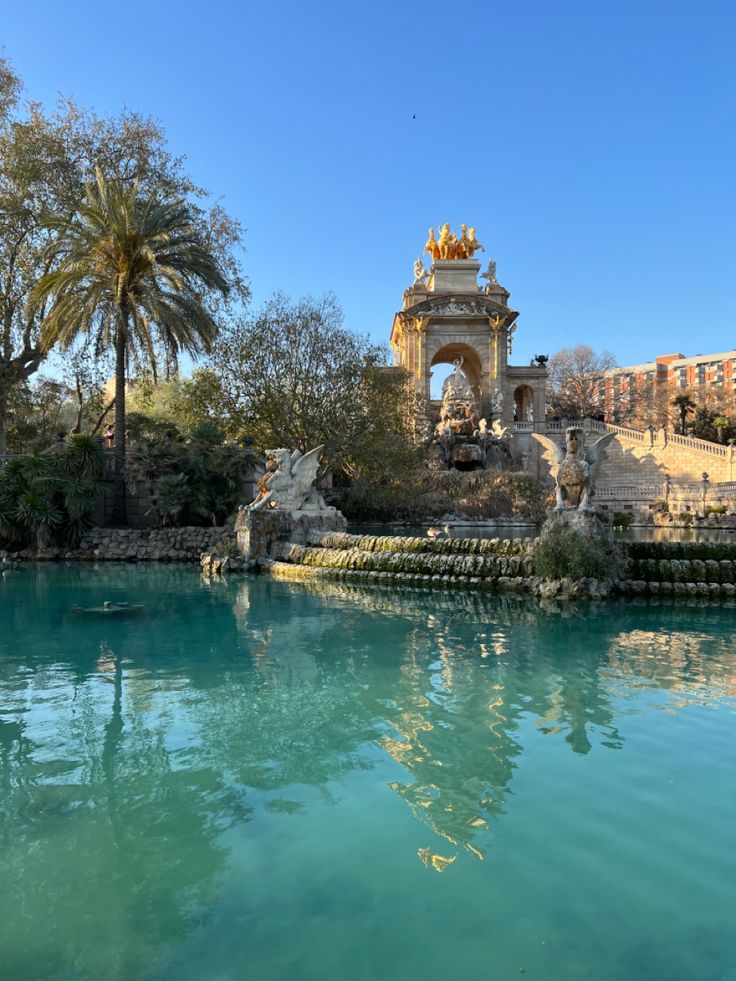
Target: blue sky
[(591, 144)]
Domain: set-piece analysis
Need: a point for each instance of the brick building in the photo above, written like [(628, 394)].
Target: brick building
[(626, 388)]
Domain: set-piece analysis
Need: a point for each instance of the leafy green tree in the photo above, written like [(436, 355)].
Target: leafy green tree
[(45, 161), (180, 403), (129, 269), (292, 375), (712, 425)]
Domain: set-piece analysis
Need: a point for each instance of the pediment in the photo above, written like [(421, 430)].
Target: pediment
[(455, 306)]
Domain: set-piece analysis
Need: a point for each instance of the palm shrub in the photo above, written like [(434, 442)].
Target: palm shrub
[(170, 497), (193, 479), (48, 499)]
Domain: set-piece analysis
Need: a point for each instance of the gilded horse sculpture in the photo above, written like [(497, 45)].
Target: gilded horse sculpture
[(449, 246)]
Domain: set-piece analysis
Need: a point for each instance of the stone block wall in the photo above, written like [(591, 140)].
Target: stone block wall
[(138, 545)]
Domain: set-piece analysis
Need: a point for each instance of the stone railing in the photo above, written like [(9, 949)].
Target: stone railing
[(630, 492), (553, 426), (701, 493), (702, 445), (591, 425)]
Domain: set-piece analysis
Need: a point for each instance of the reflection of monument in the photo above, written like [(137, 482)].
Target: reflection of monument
[(447, 317)]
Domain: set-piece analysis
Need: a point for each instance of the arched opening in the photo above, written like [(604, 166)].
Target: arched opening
[(445, 358), (524, 404)]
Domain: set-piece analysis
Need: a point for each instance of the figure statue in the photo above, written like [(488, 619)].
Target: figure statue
[(497, 401), (473, 244), (432, 246), (288, 483), (420, 273), (490, 274), (456, 388), (573, 467), (445, 241)]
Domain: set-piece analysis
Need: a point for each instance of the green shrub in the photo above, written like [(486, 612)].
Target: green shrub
[(171, 495), (424, 495), (47, 498), (193, 481), (720, 551), (622, 519), (563, 553), (227, 549), (719, 509)]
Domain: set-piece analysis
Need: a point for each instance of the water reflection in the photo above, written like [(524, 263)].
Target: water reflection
[(135, 753), (451, 689)]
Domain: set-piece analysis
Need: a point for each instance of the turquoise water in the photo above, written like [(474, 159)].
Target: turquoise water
[(278, 781)]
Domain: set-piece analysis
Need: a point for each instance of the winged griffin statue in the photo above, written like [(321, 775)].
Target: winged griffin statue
[(574, 467), (288, 483)]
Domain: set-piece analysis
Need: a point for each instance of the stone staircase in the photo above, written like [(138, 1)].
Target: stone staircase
[(643, 466)]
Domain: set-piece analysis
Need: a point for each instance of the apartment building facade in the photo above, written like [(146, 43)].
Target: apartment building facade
[(625, 389)]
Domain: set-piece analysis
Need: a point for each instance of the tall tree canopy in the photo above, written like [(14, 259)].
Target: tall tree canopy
[(129, 269), (575, 384), (45, 162), (292, 375)]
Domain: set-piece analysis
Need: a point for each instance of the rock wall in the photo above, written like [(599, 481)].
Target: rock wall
[(136, 545)]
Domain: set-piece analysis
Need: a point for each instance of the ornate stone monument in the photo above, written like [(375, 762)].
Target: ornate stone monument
[(461, 438), (288, 506), (447, 317)]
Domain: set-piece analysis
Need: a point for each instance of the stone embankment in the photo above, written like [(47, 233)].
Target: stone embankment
[(689, 569), (134, 545)]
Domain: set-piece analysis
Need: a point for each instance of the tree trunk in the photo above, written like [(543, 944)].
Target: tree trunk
[(3, 425), (120, 517), (101, 418)]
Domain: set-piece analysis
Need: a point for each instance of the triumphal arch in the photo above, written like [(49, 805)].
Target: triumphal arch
[(449, 318)]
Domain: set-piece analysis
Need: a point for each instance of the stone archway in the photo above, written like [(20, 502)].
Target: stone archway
[(471, 364), (524, 404)]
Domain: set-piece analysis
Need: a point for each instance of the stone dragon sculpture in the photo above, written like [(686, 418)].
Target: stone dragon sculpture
[(288, 483), (574, 467)]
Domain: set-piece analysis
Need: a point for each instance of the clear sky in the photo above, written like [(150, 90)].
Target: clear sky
[(591, 144)]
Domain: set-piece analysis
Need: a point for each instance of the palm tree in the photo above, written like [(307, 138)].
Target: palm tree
[(685, 404), (720, 422), (131, 270)]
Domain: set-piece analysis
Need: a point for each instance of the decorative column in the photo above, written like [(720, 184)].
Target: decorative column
[(420, 334), (497, 325)]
